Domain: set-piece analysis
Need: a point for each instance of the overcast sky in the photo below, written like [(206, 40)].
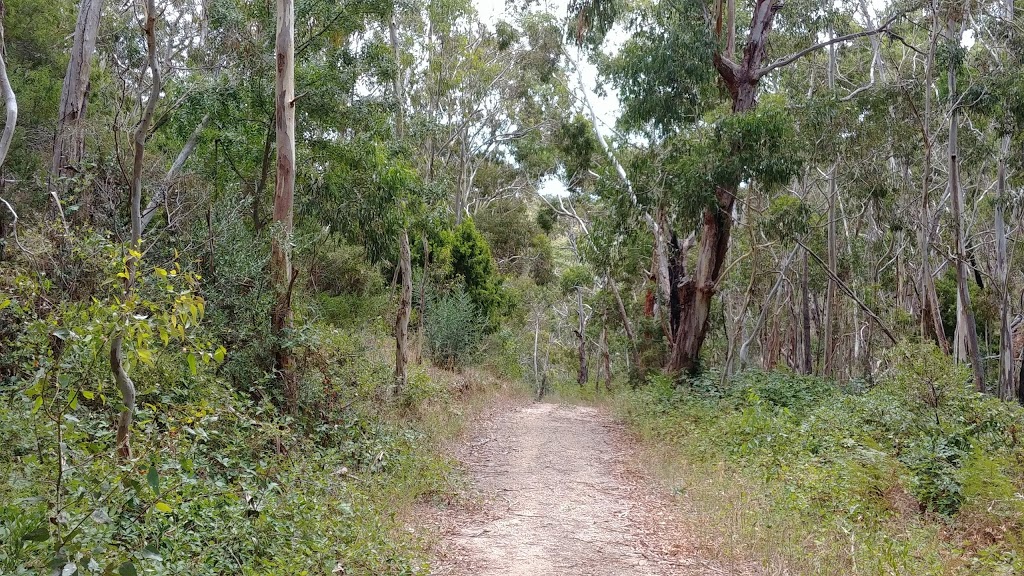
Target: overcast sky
[(606, 108)]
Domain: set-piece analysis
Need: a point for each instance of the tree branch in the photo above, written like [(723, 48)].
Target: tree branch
[(883, 27)]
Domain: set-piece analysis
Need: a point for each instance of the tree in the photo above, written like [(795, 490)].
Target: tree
[(404, 250), (10, 101), (688, 41), (967, 332), (117, 366), (284, 197), (69, 139)]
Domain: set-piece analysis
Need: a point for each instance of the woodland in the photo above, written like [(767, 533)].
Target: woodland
[(260, 261)]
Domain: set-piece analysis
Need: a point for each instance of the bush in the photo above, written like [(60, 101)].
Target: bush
[(901, 464), (344, 270), (465, 258), (454, 329)]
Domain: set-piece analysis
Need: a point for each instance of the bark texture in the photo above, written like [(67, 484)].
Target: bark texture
[(284, 194), (69, 139), (696, 293)]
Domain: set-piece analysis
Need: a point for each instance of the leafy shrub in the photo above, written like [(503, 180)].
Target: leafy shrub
[(454, 329), (344, 269), (465, 257), (898, 464), (352, 310)]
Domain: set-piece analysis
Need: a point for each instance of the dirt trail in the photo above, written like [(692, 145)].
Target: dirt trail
[(562, 496)]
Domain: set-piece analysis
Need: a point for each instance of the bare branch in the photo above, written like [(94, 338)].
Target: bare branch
[(883, 27)]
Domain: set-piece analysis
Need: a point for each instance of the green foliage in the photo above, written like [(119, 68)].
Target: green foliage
[(575, 278), (788, 217), (664, 73), (463, 253), (577, 145), (222, 483), (542, 268), (508, 230), (547, 218), (344, 270), (758, 146), (889, 462), (454, 329)]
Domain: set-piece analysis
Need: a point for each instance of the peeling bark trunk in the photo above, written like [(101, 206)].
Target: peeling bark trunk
[(606, 358), (807, 360), (931, 320), (69, 139), (404, 249), (584, 373), (284, 193), (1008, 381), (404, 310), (696, 293)]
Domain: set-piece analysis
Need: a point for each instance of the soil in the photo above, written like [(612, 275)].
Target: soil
[(559, 492)]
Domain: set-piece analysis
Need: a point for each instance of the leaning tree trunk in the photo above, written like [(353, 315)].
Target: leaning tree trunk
[(966, 327), (284, 194), (124, 382), (69, 139)]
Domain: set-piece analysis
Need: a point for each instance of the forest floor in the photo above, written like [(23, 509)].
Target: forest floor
[(558, 489)]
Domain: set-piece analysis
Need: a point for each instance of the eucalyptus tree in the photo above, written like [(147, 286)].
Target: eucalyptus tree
[(284, 196), (69, 137), (666, 75), (10, 100), (117, 365)]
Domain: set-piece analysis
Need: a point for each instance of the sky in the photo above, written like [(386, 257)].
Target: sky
[(606, 107)]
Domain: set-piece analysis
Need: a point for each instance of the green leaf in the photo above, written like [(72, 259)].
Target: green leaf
[(150, 553), (127, 569), (219, 354), (163, 507), (40, 534), (153, 477), (88, 395), (193, 364)]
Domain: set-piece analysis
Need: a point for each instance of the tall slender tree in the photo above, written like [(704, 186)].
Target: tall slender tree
[(284, 198)]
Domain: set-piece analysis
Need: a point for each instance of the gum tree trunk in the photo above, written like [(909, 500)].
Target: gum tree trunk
[(967, 331), (696, 293), (69, 139), (284, 194), (124, 382), (10, 101), (1008, 382), (404, 251)]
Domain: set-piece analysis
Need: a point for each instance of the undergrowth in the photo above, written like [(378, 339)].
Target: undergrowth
[(221, 481), (917, 475)]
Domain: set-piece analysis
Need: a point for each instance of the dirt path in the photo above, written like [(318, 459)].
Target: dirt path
[(560, 495)]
